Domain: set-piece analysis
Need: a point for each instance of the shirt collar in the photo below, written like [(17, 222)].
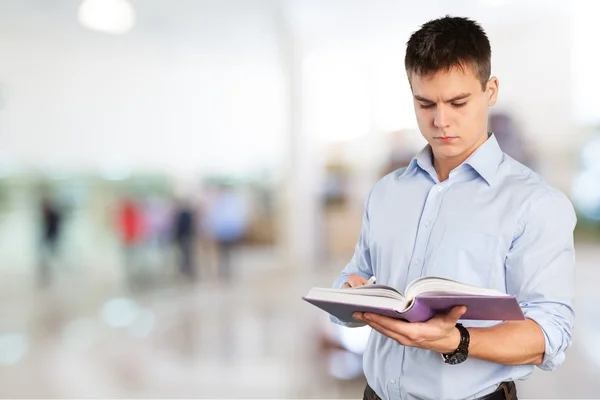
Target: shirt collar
[(422, 159), (484, 160)]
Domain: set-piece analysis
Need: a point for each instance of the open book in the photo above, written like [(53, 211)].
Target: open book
[(423, 298)]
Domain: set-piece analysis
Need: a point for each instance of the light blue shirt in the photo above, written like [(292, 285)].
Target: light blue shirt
[(492, 223)]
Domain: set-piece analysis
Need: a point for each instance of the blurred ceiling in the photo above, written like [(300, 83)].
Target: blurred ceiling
[(314, 21)]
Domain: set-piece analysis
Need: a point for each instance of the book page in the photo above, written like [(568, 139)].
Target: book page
[(432, 286), (379, 298), (368, 290)]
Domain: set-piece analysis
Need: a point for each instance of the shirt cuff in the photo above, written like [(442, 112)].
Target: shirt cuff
[(556, 338)]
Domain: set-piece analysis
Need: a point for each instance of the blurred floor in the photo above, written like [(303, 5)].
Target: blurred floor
[(88, 337)]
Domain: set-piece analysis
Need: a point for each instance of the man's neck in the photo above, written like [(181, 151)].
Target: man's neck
[(443, 167)]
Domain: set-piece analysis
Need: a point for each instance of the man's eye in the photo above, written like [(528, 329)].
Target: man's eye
[(458, 105), (426, 106)]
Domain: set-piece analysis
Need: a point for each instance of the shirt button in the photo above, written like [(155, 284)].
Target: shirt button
[(417, 262), (439, 188), (393, 381), (426, 224)]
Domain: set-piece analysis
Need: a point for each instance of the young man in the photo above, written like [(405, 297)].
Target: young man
[(463, 209)]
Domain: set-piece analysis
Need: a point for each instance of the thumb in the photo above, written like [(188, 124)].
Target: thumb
[(456, 313)]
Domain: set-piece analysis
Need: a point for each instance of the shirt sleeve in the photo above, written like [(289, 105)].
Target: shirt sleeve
[(540, 272), (360, 263)]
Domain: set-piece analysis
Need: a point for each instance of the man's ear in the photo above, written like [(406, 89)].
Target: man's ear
[(492, 90)]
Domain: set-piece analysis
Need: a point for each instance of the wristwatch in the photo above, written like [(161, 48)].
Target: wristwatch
[(462, 352)]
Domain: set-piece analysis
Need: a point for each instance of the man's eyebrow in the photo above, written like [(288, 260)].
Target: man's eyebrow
[(455, 98)]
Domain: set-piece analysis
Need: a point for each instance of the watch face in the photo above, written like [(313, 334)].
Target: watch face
[(457, 358)]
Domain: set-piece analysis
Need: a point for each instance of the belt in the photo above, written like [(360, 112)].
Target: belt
[(506, 391)]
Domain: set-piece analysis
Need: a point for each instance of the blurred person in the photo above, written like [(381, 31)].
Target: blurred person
[(158, 214), (51, 222), (226, 221), (184, 235), (463, 210), (131, 232), (510, 138), (400, 152)]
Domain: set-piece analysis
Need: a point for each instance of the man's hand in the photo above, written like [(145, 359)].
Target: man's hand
[(354, 281), (438, 334)]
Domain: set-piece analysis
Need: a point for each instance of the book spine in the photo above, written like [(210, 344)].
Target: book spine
[(419, 312)]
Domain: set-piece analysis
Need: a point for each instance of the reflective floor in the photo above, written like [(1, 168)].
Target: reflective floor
[(89, 335)]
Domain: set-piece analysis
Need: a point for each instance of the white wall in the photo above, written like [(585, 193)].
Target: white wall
[(72, 98), (585, 62)]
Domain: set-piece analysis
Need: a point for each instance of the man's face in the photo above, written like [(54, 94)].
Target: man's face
[(452, 111)]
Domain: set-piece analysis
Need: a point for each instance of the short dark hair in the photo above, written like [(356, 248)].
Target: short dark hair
[(444, 43)]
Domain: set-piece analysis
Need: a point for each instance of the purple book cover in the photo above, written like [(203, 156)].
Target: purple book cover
[(488, 308)]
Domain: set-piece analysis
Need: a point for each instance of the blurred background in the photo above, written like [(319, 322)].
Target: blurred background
[(174, 175)]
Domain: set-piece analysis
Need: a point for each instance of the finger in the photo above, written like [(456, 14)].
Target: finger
[(387, 322), (356, 280), (403, 340), (455, 314)]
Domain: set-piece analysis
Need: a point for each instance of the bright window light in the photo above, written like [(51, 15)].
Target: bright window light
[(107, 16)]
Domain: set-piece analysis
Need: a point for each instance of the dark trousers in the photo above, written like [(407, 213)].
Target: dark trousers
[(187, 260), (506, 391)]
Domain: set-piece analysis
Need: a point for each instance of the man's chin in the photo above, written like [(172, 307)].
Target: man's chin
[(447, 151)]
